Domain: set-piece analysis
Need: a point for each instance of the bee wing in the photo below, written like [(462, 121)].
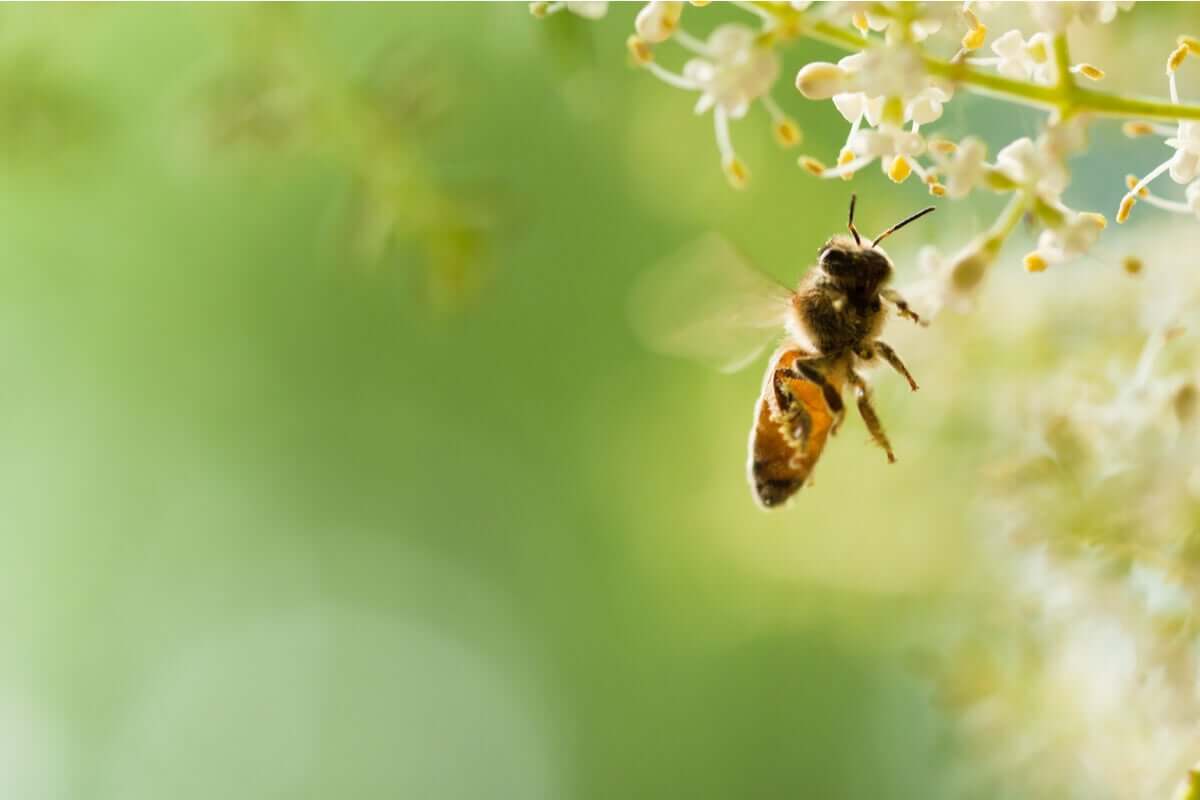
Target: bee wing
[(707, 303)]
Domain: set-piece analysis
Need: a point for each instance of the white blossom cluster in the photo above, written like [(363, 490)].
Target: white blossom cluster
[(1183, 165), (907, 62), (1078, 674)]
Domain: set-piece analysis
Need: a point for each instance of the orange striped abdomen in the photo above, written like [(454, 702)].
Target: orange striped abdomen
[(799, 404)]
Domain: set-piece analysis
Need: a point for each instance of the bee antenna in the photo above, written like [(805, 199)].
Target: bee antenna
[(854, 230), (902, 223)]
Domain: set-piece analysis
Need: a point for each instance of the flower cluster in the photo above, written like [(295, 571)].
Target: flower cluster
[(1183, 165), (907, 61), (1079, 674)]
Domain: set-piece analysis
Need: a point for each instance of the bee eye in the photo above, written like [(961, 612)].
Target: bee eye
[(834, 260)]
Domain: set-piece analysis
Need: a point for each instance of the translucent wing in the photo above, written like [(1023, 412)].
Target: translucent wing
[(708, 304)]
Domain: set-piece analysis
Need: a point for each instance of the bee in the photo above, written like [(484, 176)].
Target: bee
[(831, 324)]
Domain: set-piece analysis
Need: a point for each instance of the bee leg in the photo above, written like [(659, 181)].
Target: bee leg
[(809, 373), (889, 355), (895, 298), (867, 411)]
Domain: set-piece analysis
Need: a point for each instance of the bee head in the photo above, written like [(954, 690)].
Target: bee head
[(853, 266), (856, 266)]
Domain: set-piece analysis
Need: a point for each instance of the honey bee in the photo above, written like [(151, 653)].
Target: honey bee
[(831, 323)]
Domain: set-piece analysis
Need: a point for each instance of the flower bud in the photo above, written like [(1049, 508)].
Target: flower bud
[(821, 80), (657, 20)]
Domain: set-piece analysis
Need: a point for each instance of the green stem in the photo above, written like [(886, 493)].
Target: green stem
[(1062, 63), (1067, 98)]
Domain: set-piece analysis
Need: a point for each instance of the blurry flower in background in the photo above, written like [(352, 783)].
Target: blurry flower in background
[(273, 94), (1093, 531), (44, 113)]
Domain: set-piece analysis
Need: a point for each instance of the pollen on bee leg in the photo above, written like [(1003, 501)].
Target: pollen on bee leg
[(1136, 127), (1126, 206), (1035, 262), (1089, 71)]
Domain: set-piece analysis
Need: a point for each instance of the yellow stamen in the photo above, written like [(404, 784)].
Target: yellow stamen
[(1136, 127), (936, 189), (893, 110), (1126, 206), (1132, 264), (787, 133), (942, 146), (1089, 71), (639, 49), (1099, 220), (1037, 52), (812, 165), (860, 21), (1191, 43), (736, 172), (1035, 262), (974, 38), (1176, 58), (1132, 181), (900, 169), (844, 158), (538, 9)]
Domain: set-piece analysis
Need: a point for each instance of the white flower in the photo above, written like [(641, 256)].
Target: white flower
[(963, 169), (893, 145), (657, 20), (881, 72), (738, 72), (1162, 595), (1032, 168), (1021, 60), (1185, 164), (926, 105), (886, 71), (588, 9), (927, 20), (1192, 193), (1055, 16), (855, 105), (1071, 239), (887, 140)]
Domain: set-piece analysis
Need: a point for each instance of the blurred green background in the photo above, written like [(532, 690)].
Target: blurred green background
[(332, 469)]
